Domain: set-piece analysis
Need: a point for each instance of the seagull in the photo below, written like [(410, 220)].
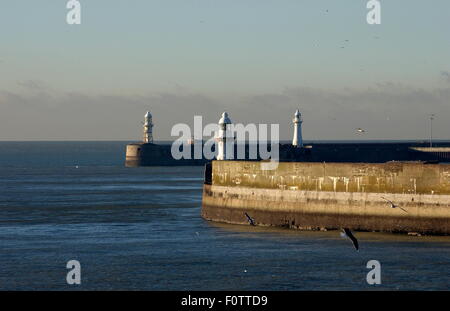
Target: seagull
[(350, 235), (250, 220), (360, 130), (393, 205)]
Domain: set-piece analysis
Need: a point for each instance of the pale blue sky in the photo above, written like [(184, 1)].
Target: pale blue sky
[(259, 59)]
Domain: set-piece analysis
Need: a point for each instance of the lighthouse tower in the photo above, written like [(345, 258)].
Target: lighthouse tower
[(148, 128), (298, 140), (222, 137)]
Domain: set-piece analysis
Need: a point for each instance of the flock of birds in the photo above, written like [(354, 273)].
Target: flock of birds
[(346, 232)]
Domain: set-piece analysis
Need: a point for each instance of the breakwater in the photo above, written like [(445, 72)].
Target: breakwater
[(149, 154), (319, 196)]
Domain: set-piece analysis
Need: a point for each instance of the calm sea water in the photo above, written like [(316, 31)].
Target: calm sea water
[(140, 229)]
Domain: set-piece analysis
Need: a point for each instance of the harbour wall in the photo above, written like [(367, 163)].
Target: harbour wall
[(149, 154), (322, 196)]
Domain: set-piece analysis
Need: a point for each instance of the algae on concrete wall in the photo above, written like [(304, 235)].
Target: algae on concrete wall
[(391, 177)]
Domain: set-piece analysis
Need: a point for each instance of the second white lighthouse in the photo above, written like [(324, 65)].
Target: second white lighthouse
[(297, 141), (224, 138)]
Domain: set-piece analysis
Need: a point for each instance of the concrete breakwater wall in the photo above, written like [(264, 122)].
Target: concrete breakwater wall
[(150, 154), (318, 196)]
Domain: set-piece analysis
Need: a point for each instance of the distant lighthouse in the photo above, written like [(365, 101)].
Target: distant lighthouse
[(148, 128), (223, 136), (298, 140)]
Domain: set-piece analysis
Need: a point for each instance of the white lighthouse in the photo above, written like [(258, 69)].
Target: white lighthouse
[(148, 128), (223, 136), (297, 141)]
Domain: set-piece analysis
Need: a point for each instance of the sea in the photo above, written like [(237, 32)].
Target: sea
[(140, 229)]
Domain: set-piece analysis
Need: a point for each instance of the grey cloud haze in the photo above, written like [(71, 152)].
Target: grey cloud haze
[(32, 84), (446, 76), (387, 111)]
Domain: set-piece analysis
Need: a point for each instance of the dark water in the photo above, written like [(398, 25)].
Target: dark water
[(140, 229)]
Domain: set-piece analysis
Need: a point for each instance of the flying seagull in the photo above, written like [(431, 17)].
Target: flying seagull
[(350, 235), (250, 220), (360, 130), (393, 205)]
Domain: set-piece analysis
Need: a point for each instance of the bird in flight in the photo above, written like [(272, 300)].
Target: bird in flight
[(360, 130), (250, 220), (350, 235), (393, 205)]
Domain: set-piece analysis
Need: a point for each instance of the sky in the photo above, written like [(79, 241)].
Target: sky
[(259, 60)]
